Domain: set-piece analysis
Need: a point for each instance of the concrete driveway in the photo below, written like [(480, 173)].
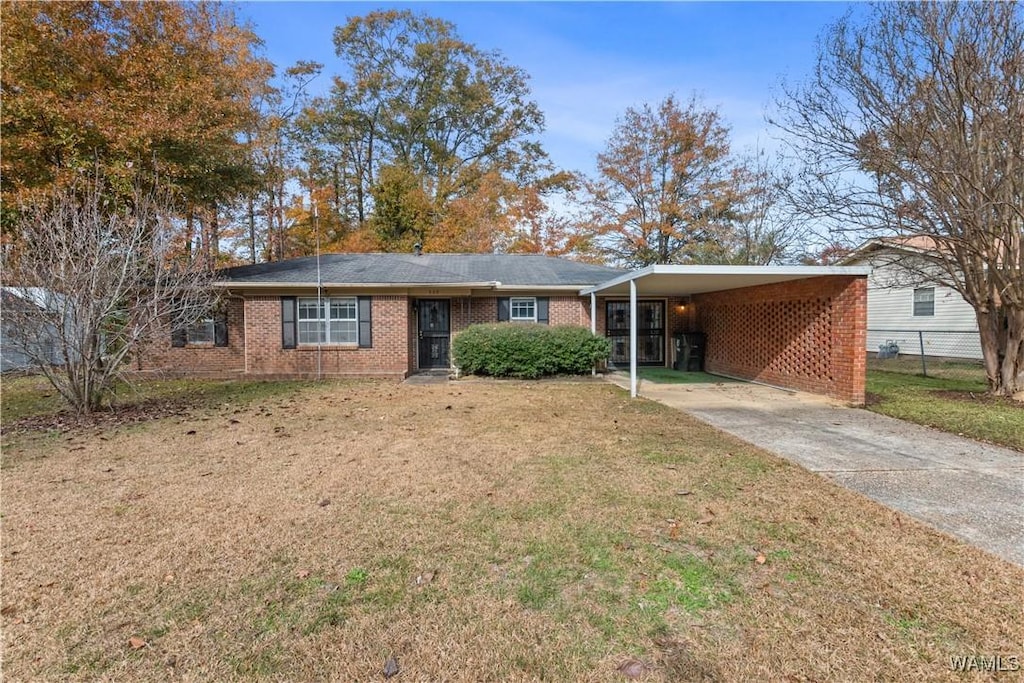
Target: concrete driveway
[(968, 489)]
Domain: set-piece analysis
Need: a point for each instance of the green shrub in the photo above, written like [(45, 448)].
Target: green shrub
[(528, 351)]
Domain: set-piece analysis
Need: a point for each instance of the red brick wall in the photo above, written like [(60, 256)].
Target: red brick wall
[(562, 310), (254, 340), (569, 310), (807, 334), (388, 356), (412, 346), (195, 360)]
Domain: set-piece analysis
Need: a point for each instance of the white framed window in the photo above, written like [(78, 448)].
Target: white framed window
[(523, 309), (924, 301), (332, 320), (201, 332)]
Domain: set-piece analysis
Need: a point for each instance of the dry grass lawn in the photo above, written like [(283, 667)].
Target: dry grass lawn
[(479, 531)]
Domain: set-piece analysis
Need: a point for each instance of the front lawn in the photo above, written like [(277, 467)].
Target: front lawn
[(477, 531), (957, 406)]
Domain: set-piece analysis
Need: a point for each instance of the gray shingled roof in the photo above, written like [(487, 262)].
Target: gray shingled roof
[(402, 269)]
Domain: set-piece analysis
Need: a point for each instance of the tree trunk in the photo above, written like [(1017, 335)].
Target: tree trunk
[(214, 252), (279, 209), (1001, 330), (189, 230), (251, 209)]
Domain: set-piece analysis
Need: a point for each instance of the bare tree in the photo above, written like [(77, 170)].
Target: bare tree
[(913, 125), (104, 277), (765, 228)]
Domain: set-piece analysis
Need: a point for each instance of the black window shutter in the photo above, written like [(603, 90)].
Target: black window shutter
[(288, 332), (220, 329), (179, 336), (542, 310), (504, 309), (365, 322)]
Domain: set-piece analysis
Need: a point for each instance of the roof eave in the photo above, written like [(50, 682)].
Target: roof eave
[(795, 271), (493, 284)]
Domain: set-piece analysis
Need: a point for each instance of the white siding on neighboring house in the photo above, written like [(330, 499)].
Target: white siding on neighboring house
[(953, 327), (12, 340), (13, 358)]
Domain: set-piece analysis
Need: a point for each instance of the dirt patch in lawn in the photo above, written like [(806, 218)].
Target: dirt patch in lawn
[(471, 531)]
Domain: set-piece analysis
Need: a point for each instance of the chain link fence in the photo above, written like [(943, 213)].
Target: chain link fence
[(948, 354)]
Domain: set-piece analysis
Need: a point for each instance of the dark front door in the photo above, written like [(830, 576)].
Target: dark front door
[(435, 332), (650, 332)]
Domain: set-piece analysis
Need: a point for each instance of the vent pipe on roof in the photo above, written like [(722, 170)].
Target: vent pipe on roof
[(417, 249)]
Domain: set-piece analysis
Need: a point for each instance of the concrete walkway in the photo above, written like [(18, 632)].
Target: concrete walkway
[(971, 490)]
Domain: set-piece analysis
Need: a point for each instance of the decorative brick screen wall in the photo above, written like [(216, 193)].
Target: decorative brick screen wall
[(806, 334)]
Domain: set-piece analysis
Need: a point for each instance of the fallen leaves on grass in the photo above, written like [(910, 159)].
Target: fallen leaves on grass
[(632, 668), (67, 422), (424, 578)]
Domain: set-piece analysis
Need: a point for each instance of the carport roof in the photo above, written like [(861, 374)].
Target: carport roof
[(665, 280)]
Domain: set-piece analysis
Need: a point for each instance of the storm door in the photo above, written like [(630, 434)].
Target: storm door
[(435, 333), (650, 332)]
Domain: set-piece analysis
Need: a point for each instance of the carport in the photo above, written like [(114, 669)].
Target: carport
[(797, 327)]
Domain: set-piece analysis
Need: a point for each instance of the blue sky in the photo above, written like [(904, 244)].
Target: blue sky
[(588, 62)]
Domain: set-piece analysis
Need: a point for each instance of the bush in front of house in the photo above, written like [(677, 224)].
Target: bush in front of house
[(528, 351)]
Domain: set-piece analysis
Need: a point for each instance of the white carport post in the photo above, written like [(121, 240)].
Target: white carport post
[(593, 322), (632, 338), (593, 313)]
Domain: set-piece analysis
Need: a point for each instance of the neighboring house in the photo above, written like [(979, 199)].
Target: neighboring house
[(395, 315), (15, 302), (905, 299)]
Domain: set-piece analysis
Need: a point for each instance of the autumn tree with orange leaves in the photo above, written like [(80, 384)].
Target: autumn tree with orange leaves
[(152, 92), (122, 144), (667, 187), (426, 138)]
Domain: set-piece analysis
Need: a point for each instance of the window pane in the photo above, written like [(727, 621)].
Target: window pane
[(201, 332), (311, 332), (649, 314), (343, 309), (308, 310), (523, 309), (924, 301), (618, 315), (344, 332)]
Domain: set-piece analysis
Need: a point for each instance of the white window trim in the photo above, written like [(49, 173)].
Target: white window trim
[(207, 325), (512, 307), (326, 321), (915, 302)]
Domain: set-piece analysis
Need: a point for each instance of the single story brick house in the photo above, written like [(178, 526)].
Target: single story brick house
[(395, 315)]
